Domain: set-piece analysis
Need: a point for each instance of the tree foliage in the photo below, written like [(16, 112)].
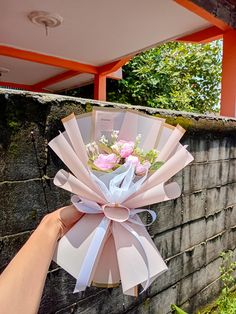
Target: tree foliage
[(175, 76)]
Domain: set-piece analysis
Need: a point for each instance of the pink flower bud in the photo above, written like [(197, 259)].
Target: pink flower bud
[(126, 149), (106, 162), (141, 169), (133, 160)]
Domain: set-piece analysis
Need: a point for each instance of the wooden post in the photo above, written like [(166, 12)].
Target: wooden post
[(228, 89), (100, 87)]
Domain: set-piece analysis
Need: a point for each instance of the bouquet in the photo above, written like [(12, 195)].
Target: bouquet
[(120, 161)]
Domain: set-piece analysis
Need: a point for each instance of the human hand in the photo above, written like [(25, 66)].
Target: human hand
[(61, 220)]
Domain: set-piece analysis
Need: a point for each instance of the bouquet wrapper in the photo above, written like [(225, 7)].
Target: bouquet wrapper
[(110, 245)]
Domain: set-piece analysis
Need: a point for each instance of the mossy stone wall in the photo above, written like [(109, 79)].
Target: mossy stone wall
[(190, 232)]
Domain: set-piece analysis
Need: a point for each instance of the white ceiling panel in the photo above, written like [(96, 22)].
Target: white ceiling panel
[(92, 32), (96, 32), (73, 82), (25, 72)]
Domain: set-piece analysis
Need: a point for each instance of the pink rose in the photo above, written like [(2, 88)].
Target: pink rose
[(133, 160), (125, 148), (105, 162), (141, 169)]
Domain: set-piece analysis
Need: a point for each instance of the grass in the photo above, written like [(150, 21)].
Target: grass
[(226, 302)]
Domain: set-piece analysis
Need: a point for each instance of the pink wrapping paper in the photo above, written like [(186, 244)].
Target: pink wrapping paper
[(110, 244)]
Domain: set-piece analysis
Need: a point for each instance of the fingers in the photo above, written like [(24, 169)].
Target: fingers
[(68, 216)]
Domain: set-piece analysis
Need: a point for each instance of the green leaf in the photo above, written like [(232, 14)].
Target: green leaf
[(156, 165), (104, 148), (177, 310)]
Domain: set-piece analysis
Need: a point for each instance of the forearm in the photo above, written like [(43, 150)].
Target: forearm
[(22, 282)]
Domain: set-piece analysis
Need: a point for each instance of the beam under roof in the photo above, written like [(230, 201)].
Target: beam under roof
[(204, 36), (194, 8), (48, 60)]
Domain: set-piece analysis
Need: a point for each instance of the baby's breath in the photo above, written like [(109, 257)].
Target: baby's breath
[(138, 140), (114, 135), (103, 140)]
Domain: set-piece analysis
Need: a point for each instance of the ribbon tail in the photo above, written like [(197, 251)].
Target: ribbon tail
[(135, 234), (134, 217), (134, 244), (89, 263)]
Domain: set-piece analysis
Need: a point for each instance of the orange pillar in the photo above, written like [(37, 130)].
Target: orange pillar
[(228, 89), (100, 87)]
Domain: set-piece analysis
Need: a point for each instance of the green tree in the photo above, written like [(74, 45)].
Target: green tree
[(176, 76)]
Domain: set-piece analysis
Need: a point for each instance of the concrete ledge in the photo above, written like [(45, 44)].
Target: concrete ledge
[(190, 121)]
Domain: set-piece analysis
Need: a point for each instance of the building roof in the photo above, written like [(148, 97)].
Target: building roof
[(92, 33)]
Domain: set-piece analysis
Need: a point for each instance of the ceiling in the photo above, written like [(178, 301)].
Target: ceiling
[(92, 32)]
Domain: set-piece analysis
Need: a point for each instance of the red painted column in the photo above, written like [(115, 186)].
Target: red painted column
[(228, 89), (100, 87)]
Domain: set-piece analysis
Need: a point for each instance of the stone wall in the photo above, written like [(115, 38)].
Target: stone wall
[(190, 232)]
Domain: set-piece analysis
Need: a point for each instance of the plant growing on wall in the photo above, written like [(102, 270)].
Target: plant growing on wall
[(227, 302)]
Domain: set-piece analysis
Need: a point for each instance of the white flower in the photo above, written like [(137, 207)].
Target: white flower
[(103, 140), (115, 134)]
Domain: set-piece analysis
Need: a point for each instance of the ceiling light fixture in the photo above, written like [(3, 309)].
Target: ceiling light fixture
[(46, 19)]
